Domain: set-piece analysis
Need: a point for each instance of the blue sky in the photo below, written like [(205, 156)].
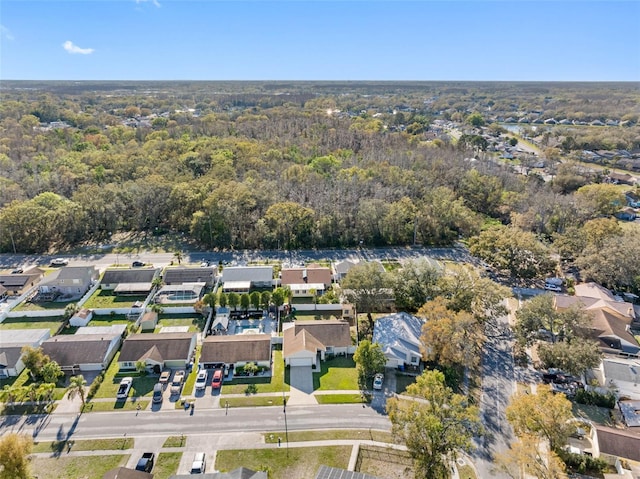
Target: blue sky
[(512, 40)]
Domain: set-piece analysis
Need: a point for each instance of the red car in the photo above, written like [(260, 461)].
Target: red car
[(216, 382)]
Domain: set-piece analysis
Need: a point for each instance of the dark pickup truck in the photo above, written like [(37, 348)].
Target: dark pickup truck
[(146, 462)]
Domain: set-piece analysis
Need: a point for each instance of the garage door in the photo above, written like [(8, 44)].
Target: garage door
[(300, 362)]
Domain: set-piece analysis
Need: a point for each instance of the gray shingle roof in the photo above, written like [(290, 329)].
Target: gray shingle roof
[(169, 346), (232, 349), (133, 275)]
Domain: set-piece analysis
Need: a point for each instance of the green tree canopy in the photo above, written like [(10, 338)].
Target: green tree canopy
[(544, 414), (14, 456), (435, 426), (368, 286), (370, 359)]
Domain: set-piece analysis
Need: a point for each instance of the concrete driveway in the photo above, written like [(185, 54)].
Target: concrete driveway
[(301, 378)]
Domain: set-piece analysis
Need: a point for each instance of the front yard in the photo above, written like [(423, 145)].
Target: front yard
[(264, 384), (85, 467), (142, 385), (339, 373)]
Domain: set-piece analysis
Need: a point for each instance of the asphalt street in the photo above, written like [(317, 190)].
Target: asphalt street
[(148, 423), (498, 383), (298, 257)]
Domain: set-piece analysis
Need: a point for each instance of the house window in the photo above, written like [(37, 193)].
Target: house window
[(128, 364), (414, 360)]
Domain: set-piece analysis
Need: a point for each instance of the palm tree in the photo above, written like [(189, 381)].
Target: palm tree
[(45, 391), (178, 256), (76, 387)]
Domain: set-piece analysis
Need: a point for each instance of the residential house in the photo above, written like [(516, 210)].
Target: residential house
[(13, 340), (4, 293), (626, 214), (618, 443), (240, 473), (70, 282), (83, 352), (179, 293), (158, 351), (620, 373), (326, 472), (633, 199), (399, 336), (308, 281), (236, 351), (621, 178), (189, 275), (240, 279), (81, 318), (630, 411), (126, 473), (129, 281), (17, 284), (611, 318), (306, 343)]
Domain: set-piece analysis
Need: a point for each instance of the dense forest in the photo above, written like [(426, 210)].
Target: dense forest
[(292, 165)]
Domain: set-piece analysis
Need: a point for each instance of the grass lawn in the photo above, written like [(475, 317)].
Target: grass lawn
[(175, 441), (102, 299), (84, 445), (402, 381), (336, 374), (83, 467), (274, 384), (285, 463), (51, 323), (466, 472), (142, 385), (108, 320), (195, 322), (131, 404), (385, 462), (166, 464), (28, 306), (27, 409), (301, 436), (342, 398), (252, 401), (599, 415), (190, 381)]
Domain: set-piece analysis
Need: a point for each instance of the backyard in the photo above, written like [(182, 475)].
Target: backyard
[(52, 323), (284, 463), (195, 322), (103, 299)]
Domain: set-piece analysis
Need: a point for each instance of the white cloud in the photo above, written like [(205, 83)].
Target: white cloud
[(155, 2), (71, 48), (6, 33)]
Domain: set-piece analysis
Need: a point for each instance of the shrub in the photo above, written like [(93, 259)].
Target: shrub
[(594, 398), (582, 463), (93, 389)]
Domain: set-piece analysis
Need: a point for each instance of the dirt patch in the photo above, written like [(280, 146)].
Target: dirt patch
[(384, 462)]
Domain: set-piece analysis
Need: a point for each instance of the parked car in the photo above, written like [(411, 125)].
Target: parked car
[(216, 382), (164, 377), (137, 264), (378, 381), (145, 463), (59, 262), (176, 384), (17, 271), (199, 463), (157, 393), (552, 287), (123, 389), (201, 379)]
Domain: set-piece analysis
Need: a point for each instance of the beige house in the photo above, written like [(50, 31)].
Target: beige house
[(306, 343), (236, 350), (158, 351)]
